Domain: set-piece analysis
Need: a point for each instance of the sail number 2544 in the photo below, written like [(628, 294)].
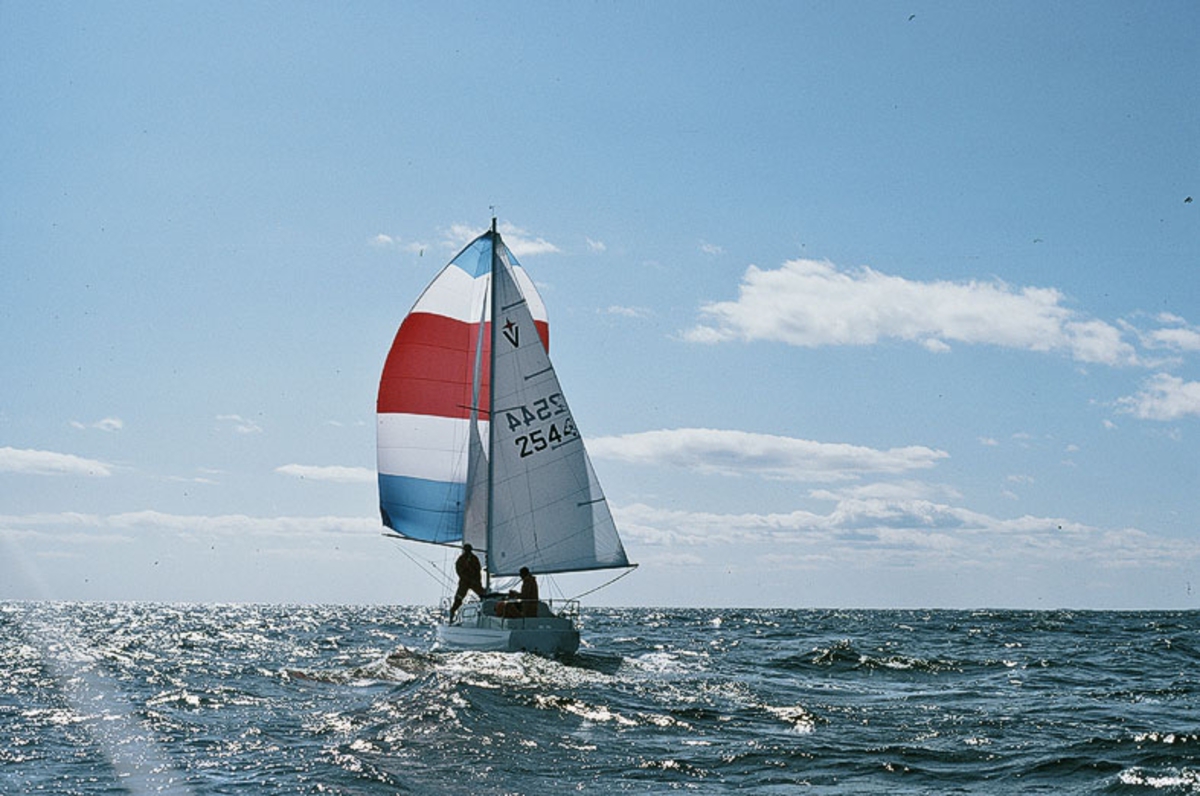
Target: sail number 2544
[(546, 422)]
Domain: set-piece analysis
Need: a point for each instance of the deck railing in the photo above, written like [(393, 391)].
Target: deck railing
[(564, 609)]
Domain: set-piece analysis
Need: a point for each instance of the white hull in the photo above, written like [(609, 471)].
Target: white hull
[(479, 629)]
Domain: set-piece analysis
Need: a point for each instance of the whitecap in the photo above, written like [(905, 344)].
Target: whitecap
[(1180, 778), (798, 716)]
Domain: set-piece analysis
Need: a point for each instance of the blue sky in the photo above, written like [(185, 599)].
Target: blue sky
[(857, 305)]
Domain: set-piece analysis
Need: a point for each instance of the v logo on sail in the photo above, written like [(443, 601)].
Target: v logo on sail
[(512, 333)]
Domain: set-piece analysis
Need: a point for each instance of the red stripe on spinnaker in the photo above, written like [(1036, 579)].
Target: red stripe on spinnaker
[(428, 369)]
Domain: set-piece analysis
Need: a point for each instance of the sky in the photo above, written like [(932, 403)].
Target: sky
[(881, 304)]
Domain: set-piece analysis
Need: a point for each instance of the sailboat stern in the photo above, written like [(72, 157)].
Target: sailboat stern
[(479, 628)]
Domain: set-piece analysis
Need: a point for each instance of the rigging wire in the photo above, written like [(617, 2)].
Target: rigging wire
[(428, 567), (606, 584)]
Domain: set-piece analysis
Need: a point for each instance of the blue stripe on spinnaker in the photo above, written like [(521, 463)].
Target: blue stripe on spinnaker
[(476, 259), (429, 511)]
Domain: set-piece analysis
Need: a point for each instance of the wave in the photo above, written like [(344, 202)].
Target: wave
[(844, 657), (354, 700), (1171, 780)]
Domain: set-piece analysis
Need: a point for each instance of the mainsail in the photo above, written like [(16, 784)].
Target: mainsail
[(522, 488)]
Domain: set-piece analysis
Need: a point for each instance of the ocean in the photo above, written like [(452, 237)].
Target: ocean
[(292, 699)]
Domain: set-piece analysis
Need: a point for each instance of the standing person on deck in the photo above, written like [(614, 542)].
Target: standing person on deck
[(470, 578)]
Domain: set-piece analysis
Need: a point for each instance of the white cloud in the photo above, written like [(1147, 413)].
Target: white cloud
[(240, 524), (240, 424), (812, 303), (383, 241), (76, 538), (521, 242), (107, 424), (596, 246), (629, 312), (861, 531), (1176, 334), (1181, 339), (35, 462), (1164, 397), (335, 473), (888, 490), (72, 526), (710, 248), (727, 452), (197, 479), (206, 475)]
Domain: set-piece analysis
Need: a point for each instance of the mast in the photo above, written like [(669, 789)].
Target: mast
[(491, 402)]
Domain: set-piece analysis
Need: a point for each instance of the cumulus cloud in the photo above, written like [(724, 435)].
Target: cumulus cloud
[(335, 473), (1175, 334), (1163, 397), (727, 452), (813, 303), (521, 242), (35, 462)]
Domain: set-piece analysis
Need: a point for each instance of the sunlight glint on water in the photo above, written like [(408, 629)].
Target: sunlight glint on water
[(300, 699)]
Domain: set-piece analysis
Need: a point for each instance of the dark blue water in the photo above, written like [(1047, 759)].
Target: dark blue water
[(143, 698)]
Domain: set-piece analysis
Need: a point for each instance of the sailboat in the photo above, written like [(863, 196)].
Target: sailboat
[(477, 445)]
